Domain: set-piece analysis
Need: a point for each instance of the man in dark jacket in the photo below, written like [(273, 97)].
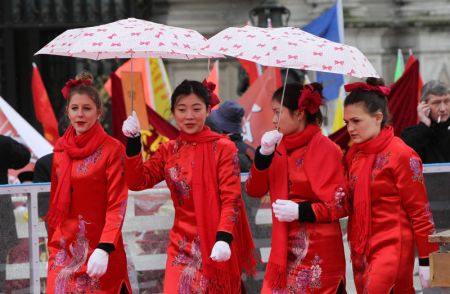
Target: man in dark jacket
[(42, 174), (228, 120), (13, 155), (431, 137)]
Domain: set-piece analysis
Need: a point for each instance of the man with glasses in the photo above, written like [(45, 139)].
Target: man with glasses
[(431, 137)]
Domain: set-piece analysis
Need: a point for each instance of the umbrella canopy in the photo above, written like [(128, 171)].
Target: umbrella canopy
[(290, 48), (129, 38)]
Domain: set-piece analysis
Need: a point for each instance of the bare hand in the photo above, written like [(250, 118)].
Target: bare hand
[(423, 112)]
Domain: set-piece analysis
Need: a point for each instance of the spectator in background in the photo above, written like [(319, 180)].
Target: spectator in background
[(431, 137), (12, 155), (25, 177), (228, 119)]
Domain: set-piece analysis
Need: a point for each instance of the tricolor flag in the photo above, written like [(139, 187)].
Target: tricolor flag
[(330, 25)]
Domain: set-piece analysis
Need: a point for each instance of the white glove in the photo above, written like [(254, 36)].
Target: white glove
[(221, 251), (424, 276), (268, 142), (98, 263), (285, 210), (131, 127)]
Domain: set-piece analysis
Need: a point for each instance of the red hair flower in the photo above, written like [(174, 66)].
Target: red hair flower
[(382, 90), (73, 83), (210, 86), (310, 99)]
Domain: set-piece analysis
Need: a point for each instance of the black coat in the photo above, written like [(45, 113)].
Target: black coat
[(431, 143), (12, 155), (246, 153), (42, 174)]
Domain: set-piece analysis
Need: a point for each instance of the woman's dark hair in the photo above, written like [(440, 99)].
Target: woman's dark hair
[(190, 87), (89, 90), (291, 97), (372, 101)]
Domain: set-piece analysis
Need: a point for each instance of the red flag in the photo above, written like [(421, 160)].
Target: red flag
[(42, 107), (252, 69), (118, 111), (411, 60), (160, 125), (341, 137), (403, 99), (257, 102), (213, 77)]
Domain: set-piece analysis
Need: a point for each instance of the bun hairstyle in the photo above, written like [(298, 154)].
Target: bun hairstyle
[(82, 84), (85, 76), (372, 95), (310, 103), (188, 87)]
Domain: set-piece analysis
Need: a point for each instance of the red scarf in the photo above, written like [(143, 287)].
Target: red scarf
[(359, 220), (72, 147), (276, 267), (223, 277)]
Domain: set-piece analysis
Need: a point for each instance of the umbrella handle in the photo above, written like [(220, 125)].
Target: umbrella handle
[(282, 98), (131, 81)]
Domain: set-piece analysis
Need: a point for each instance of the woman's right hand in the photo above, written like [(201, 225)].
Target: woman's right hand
[(131, 127), (269, 141)]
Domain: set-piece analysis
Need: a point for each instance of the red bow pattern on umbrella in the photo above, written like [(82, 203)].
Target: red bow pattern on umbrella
[(291, 48), (129, 38)]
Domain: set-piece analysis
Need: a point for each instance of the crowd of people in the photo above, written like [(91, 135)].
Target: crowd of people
[(378, 184)]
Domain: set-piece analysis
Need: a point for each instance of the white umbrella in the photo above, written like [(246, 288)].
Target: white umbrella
[(290, 48), (129, 38)]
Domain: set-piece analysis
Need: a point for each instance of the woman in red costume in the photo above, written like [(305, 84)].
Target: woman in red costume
[(210, 242), (306, 180), (88, 201), (390, 209)]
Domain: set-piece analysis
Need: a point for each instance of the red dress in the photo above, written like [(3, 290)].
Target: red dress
[(399, 216), (315, 253), (97, 209), (174, 162)]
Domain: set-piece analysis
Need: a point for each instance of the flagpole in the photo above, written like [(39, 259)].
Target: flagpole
[(340, 16)]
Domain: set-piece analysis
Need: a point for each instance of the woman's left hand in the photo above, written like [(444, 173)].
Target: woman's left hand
[(98, 263), (285, 210), (424, 276), (221, 251)]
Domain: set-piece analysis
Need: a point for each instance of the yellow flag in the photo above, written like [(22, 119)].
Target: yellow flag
[(338, 121), (160, 88)]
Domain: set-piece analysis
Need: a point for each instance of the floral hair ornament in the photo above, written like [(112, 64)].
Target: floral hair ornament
[(73, 83), (382, 90), (310, 99), (210, 86)]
